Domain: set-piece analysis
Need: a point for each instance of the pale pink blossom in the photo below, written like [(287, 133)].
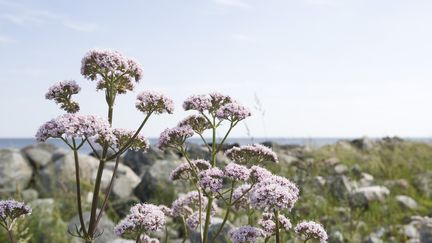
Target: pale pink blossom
[(151, 101), (174, 137), (246, 234), (310, 229), (211, 179), (251, 154), (236, 172)]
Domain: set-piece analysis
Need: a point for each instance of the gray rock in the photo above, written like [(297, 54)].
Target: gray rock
[(340, 169), (140, 161), (15, 171), (29, 195), (365, 180), (341, 186), (155, 184), (423, 183), (125, 182), (62, 172), (399, 184), (320, 181), (364, 195), (41, 154), (215, 225), (410, 232), (105, 225), (363, 143), (406, 202), (336, 237), (424, 227), (43, 207)]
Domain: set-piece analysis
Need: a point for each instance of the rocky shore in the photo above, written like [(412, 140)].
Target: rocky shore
[(362, 190)]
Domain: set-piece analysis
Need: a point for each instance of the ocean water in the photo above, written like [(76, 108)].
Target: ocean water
[(313, 142)]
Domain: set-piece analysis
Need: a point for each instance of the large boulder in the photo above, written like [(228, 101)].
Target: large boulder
[(419, 229), (140, 161), (62, 172), (363, 143), (423, 183), (155, 185), (41, 154), (105, 226), (15, 171), (125, 182), (341, 186), (364, 195), (406, 202)]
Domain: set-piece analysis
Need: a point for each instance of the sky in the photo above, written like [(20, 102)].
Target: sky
[(306, 68)]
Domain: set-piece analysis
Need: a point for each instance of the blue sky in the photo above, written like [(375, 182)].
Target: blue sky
[(320, 68)]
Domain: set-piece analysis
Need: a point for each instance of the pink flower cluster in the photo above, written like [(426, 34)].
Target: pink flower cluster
[(258, 174), (150, 101), (233, 112), (186, 204), (174, 137), (11, 209), (268, 223), (123, 136), (62, 92), (241, 197), (236, 172), (147, 239), (211, 179), (112, 69), (194, 220), (311, 230), (75, 126), (185, 171), (199, 103), (197, 122), (274, 192), (246, 234), (254, 154), (143, 218)]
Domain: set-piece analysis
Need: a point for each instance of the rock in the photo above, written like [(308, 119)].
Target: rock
[(41, 154), (105, 225), (363, 143), (341, 186), (336, 237), (364, 195), (366, 180), (215, 224), (399, 184), (423, 183), (125, 182), (155, 185), (356, 170), (375, 237), (62, 172), (410, 232), (406, 202), (29, 195), (320, 181), (340, 169), (15, 171), (140, 161), (331, 161), (424, 227), (43, 207)]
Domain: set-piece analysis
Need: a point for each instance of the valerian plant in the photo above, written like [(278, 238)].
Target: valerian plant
[(115, 74), (10, 212), (238, 185)]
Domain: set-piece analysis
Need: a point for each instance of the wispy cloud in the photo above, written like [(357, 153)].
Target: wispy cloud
[(6, 39), (23, 15), (232, 3)]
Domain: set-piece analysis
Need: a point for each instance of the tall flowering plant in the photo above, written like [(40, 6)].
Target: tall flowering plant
[(238, 185), (115, 74)]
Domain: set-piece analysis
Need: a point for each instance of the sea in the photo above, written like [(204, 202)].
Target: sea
[(20, 143)]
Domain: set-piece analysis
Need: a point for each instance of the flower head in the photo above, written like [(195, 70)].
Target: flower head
[(218, 100), (246, 234), (112, 69), (311, 229), (185, 171), (147, 239), (253, 154), (186, 204), (194, 220), (258, 174), (150, 101), (268, 223), (241, 197), (175, 137), (274, 192), (197, 102), (143, 218), (76, 126), (197, 122), (233, 112), (211, 179), (11, 209), (236, 172), (123, 136), (61, 93)]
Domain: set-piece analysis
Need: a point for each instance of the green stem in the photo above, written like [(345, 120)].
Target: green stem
[(226, 214), (138, 239), (11, 236), (276, 214), (78, 188)]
